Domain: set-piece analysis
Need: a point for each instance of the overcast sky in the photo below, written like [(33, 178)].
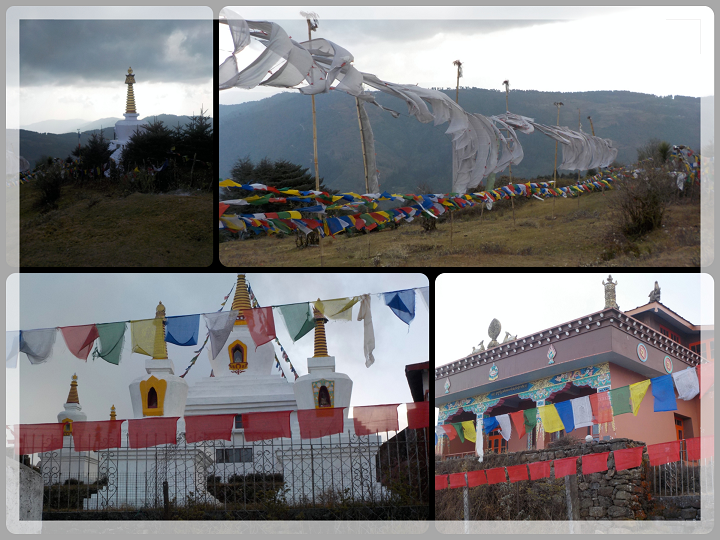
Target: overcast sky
[(527, 303), (565, 49), (50, 300), (75, 68)]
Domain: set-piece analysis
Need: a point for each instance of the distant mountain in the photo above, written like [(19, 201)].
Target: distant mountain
[(410, 153), (34, 145), (56, 126)]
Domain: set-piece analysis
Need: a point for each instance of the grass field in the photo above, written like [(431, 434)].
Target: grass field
[(96, 226), (580, 235)]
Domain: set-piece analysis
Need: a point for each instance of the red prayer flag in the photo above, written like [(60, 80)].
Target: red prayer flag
[(266, 425), (518, 420), (601, 407), (476, 478), (148, 432), (694, 447), (592, 463), (660, 454), (261, 324), (375, 418), (80, 339), (517, 472), (706, 376), (94, 436), (441, 482), (449, 431), (457, 480), (495, 476), (32, 438), (418, 414), (316, 423), (540, 469), (210, 427), (223, 207), (565, 466), (628, 458)]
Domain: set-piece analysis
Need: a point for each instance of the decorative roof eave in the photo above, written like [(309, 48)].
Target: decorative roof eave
[(654, 306), (607, 316)]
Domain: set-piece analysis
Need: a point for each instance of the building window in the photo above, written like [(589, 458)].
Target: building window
[(238, 421), (667, 333), (701, 348), (496, 443), (324, 398), (234, 455)]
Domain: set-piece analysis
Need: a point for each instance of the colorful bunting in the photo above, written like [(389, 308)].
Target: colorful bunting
[(660, 454), (339, 309), (457, 480), (449, 431), (266, 425), (147, 432), (298, 319), (459, 430), (375, 418), (34, 438), (402, 304), (476, 478), (12, 348), (518, 420), (706, 377), (261, 324), (490, 424), (183, 330), (37, 344), (530, 416), (582, 412), (700, 447), (664, 394), (505, 426), (94, 436), (550, 418), (594, 463), (209, 427), (686, 383), (219, 326), (539, 469), (80, 339), (365, 315), (628, 458), (469, 430), (316, 423), (637, 393), (148, 337), (496, 475), (111, 337), (418, 415), (441, 482), (516, 473), (565, 467), (620, 400), (601, 408), (565, 412)]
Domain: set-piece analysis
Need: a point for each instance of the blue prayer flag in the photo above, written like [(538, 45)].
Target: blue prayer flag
[(490, 423), (183, 330), (565, 412), (402, 304), (664, 393)]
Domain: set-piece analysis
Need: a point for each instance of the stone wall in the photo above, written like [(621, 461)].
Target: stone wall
[(677, 508), (24, 498)]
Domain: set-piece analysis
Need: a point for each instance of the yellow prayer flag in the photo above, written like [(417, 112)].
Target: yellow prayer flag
[(294, 214), (550, 418), (637, 393), (233, 223), (148, 337), (339, 309), (228, 183), (469, 430)]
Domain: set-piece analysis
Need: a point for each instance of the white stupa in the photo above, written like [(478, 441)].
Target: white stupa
[(124, 129)]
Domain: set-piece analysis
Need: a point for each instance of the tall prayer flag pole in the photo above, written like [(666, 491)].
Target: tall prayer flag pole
[(506, 82), (312, 22), (558, 104), (457, 63), (579, 128)]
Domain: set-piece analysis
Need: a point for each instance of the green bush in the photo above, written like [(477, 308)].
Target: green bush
[(641, 202)]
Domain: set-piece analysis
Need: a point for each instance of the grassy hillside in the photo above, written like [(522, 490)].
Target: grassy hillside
[(101, 226), (410, 153), (580, 235)]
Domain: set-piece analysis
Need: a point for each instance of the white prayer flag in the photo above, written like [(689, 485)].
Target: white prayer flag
[(505, 426), (582, 411), (686, 383)]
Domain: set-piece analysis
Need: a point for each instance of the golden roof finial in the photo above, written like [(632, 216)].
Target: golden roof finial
[(130, 80), (73, 395), (320, 341), (242, 299), (112, 412)]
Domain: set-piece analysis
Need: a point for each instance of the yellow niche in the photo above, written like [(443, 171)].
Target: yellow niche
[(238, 357), (152, 392)]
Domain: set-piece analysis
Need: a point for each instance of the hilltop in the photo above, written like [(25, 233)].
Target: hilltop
[(410, 154)]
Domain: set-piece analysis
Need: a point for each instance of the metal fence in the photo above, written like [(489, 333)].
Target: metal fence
[(683, 477), (384, 470)]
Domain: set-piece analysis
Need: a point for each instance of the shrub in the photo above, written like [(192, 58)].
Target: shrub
[(641, 202), (49, 184)]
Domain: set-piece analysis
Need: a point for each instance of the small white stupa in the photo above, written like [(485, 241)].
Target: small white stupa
[(124, 129)]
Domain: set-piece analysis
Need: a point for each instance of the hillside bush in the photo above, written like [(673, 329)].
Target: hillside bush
[(641, 202), (49, 184)]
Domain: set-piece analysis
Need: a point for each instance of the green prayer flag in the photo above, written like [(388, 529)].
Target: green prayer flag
[(459, 428), (620, 400), (111, 337), (298, 319), (530, 419)]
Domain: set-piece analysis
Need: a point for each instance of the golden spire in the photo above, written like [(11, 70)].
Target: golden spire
[(242, 299), (130, 80), (73, 395), (320, 343), (160, 346), (112, 412)]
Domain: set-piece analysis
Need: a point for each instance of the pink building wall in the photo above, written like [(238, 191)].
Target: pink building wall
[(648, 426)]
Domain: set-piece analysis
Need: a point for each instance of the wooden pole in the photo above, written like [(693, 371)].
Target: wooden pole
[(457, 63), (558, 104), (362, 140), (602, 187), (579, 127)]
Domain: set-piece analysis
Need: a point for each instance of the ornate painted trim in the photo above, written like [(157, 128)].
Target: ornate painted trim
[(160, 386), (642, 352), (238, 367), (668, 364), (330, 385)]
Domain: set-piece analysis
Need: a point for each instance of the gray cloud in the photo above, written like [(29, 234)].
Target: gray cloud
[(68, 52)]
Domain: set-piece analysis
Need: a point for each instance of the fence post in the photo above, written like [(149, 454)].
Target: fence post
[(165, 500), (466, 501)]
